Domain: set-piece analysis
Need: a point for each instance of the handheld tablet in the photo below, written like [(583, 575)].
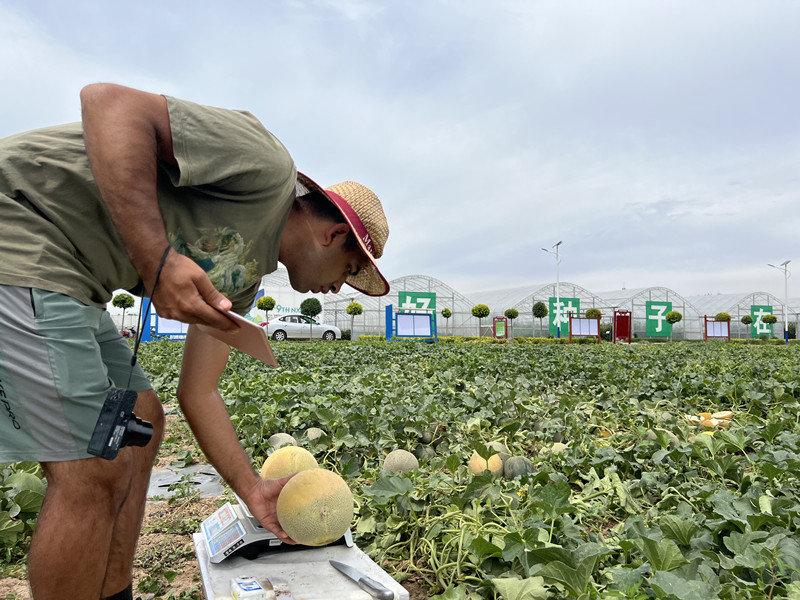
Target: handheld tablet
[(249, 338)]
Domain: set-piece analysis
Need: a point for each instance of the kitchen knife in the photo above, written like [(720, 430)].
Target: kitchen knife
[(372, 587)]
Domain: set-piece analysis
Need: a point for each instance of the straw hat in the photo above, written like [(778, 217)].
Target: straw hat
[(362, 210)]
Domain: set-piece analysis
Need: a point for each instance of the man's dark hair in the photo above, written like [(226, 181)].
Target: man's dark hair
[(323, 208)]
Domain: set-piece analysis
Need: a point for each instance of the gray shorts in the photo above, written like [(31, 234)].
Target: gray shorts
[(58, 359)]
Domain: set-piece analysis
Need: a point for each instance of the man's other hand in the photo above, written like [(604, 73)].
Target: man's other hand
[(186, 294)]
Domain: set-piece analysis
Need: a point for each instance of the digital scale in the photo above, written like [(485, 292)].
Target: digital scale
[(232, 530)]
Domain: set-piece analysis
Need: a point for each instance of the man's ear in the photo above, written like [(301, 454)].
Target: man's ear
[(337, 232)]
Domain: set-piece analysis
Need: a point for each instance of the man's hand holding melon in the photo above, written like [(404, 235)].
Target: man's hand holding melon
[(262, 499)]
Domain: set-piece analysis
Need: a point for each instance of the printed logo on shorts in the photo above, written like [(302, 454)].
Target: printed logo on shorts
[(4, 399)]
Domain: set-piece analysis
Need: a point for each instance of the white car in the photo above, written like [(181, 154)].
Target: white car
[(298, 326)]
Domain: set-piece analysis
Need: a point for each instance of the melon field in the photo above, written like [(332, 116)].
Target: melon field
[(629, 492)]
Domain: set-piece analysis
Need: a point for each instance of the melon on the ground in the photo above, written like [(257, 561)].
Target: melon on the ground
[(517, 466), (400, 461), (279, 440), (287, 461), (424, 453), (500, 448), (314, 433), (315, 507), (478, 464)]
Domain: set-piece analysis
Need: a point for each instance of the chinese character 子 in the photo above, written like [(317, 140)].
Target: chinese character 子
[(659, 316)]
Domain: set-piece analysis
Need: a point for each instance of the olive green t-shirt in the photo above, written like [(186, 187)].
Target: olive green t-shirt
[(224, 206)]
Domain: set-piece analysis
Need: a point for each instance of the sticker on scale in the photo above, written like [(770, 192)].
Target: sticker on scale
[(218, 522)]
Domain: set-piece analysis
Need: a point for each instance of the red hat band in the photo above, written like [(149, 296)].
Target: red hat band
[(355, 221)]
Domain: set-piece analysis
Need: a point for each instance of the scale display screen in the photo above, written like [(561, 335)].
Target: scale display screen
[(225, 539)]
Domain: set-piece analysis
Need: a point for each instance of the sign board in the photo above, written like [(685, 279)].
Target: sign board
[(622, 325), (560, 312), (416, 300), (718, 329), (656, 318), (500, 327), (414, 325), (585, 327), (758, 327)]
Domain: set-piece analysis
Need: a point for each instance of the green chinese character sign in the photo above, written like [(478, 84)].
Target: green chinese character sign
[(656, 318), (560, 312), (416, 300), (759, 328)]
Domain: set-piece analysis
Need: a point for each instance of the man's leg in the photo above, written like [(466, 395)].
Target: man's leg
[(69, 550), (119, 570)]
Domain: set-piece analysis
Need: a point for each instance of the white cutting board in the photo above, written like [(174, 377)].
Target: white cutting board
[(307, 572)]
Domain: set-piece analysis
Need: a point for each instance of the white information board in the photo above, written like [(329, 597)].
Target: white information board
[(718, 329), (587, 327), (166, 326), (413, 325)]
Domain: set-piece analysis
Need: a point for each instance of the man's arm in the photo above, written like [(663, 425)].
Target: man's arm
[(125, 131), (204, 360)]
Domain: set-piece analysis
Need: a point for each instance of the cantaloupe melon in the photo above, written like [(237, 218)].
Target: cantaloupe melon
[(517, 466), (315, 507), (501, 449), (314, 433), (279, 440), (478, 465), (400, 461), (287, 461)]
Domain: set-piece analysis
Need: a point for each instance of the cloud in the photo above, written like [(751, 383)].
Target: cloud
[(658, 140)]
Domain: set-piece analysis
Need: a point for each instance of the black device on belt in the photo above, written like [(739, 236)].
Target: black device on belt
[(117, 426)]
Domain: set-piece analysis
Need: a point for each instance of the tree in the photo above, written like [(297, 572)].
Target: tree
[(353, 309), (266, 303), (310, 307), (673, 317), (511, 314), (480, 312), (446, 313), (594, 313), (747, 320), (123, 301), (540, 312)]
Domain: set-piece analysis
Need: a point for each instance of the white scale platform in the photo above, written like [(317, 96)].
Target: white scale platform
[(307, 572)]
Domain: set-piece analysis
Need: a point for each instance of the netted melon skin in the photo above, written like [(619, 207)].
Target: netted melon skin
[(315, 507)]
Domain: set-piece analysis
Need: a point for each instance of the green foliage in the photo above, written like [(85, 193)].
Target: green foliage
[(511, 313), (354, 309), (447, 313), (769, 319), (747, 320), (21, 494), (540, 310), (722, 316), (594, 313), (674, 316), (641, 504), (311, 307), (123, 301), (265, 303), (480, 311)]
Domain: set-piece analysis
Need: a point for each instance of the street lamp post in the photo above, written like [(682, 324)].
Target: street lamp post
[(558, 279), (784, 267)]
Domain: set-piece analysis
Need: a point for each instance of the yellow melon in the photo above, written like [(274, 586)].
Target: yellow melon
[(287, 461), (315, 507), (478, 465)]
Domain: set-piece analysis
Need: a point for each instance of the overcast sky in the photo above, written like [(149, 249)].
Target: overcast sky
[(659, 140)]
